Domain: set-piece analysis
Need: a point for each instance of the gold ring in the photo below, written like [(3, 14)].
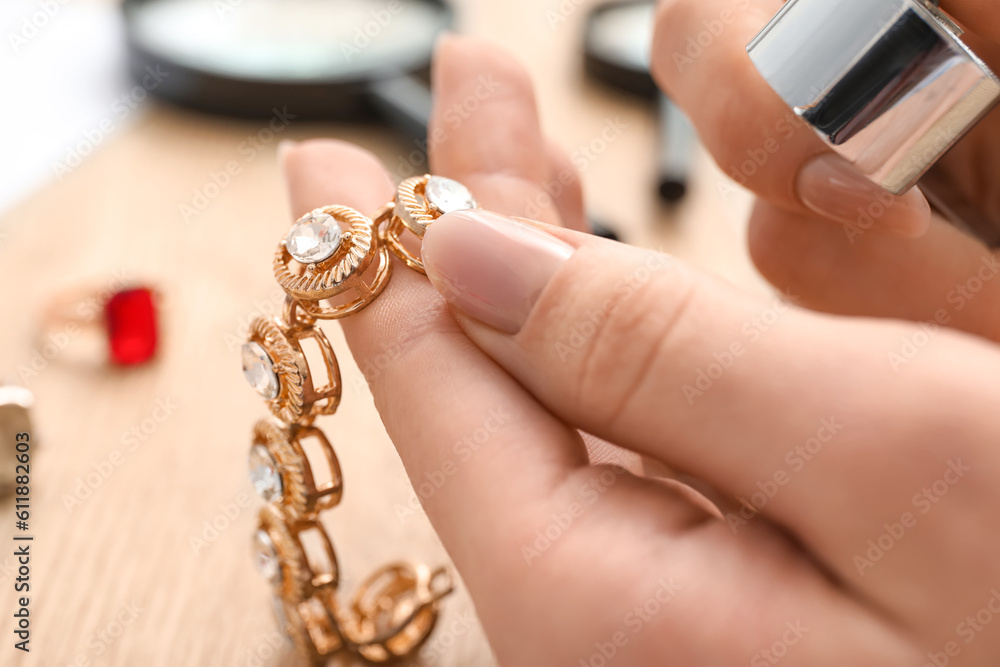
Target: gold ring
[(125, 317)]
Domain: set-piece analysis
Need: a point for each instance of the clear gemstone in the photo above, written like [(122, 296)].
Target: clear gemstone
[(258, 369), (446, 195), (265, 557), (264, 474), (313, 238)]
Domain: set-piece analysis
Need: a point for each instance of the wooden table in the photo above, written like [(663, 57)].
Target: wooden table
[(132, 468)]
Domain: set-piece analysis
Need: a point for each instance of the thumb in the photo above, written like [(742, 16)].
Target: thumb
[(645, 352), (609, 337)]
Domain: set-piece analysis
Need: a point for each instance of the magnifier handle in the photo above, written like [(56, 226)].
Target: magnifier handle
[(406, 103), (677, 146)]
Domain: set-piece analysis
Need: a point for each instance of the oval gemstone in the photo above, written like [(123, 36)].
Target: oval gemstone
[(264, 474), (258, 369), (265, 557)]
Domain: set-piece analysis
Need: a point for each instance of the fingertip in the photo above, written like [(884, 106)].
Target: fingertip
[(485, 129), (835, 189), (284, 146), (319, 172), (568, 199), (919, 222), (467, 66), (446, 43)]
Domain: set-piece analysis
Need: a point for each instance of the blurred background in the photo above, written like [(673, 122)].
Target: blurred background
[(140, 148)]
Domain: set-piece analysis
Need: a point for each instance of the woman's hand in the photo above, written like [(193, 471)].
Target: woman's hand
[(819, 229), (856, 460)]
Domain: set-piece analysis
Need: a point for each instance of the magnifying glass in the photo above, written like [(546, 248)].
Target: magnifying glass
[(891, 87), (320, 59), (617, 43)]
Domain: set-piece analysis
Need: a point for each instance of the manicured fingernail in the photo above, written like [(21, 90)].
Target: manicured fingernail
[(284, 146), (491, 267), (833, 188)]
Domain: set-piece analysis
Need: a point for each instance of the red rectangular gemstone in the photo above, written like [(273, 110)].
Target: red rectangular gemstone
[(130, 316)]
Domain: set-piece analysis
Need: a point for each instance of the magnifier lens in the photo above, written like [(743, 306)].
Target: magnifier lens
[(618, 44), (282, 40), (623, 35)]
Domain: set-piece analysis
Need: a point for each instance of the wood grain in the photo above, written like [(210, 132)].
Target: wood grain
[(165, 446)]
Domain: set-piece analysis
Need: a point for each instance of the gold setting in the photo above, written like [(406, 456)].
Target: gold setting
[(412, 207), (319, 626), (409, 211), (301, 498), (310, 625), (298, 400), (299, 579), (396, 609), (340, 274)]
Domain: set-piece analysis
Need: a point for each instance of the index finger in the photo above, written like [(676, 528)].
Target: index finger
[(451, 411)]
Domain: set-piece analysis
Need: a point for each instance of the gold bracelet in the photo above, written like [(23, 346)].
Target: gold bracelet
[(333, 263)]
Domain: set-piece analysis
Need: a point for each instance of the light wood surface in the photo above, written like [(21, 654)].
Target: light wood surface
[(129, 543)]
